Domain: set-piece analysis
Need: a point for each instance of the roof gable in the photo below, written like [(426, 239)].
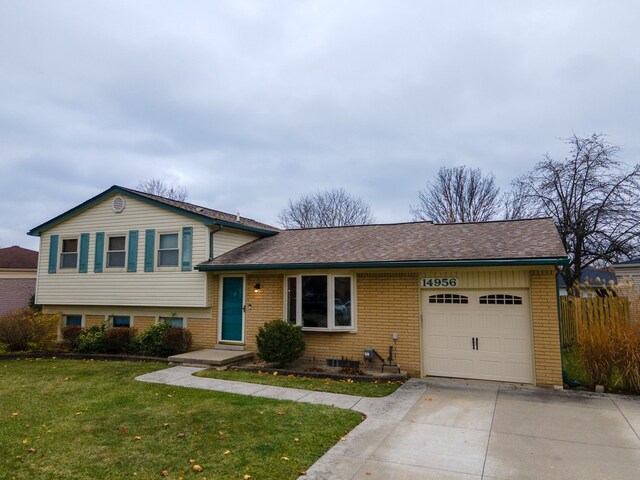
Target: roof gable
[(203, 214)]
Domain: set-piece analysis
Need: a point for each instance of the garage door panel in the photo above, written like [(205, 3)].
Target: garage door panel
[(503, 331)]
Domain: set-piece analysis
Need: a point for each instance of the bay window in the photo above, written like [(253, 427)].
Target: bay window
[(320, 301)]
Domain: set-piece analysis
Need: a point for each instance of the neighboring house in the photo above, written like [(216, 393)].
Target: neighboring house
[(473, 300), (593, 281), (630, 271), (18, 267)]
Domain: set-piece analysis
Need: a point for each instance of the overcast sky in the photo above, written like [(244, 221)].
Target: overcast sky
[(248, 104)]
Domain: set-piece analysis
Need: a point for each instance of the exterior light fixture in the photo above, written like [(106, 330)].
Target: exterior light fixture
[(256, 288)]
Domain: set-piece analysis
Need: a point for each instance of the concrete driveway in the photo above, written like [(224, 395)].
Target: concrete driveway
[(447, 429), (456, 429)]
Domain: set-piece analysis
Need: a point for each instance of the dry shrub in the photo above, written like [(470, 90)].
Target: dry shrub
[(70, 336), (597, 353), (627, 349), (117, 339), (27, 329)]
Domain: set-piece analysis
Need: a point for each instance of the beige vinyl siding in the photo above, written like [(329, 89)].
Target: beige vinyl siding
[(227, 239), (17, 273), (162, 287), (631, 272), (489, 277)]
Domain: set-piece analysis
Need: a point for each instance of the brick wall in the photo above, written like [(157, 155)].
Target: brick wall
[(93, 320), (546, 334), (141, 323), (15, 293), (203, 332)]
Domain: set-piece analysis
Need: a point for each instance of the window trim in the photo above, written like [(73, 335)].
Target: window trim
[(331, 326), (106, 251), (77, 253), (158, 249)]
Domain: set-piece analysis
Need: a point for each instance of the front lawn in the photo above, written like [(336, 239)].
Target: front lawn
[(380, 388), (88, 419)]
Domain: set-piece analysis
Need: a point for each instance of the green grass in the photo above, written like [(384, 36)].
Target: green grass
[(571, 365), (88, 419), (363, 389)]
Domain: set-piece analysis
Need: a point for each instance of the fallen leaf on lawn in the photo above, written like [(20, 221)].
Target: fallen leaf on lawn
[(15, 414), (123, 430), (137, 437), (197, 468), (303, 472), (221, 433), (180, 435), (192, 461), (32, 450), (280, 414), (165, 425), (25, 441), (164, 473), (67, 378), (78, 413), (286, 459), (247, 476), (296, 439), (275, 373), (227, 452), (170, 396), (342, 439)]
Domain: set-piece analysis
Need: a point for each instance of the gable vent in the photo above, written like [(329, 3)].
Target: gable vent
[(118, 204)]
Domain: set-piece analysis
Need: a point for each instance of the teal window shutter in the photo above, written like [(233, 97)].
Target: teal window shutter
[(149, 249), (84, 253), (187, 240), (97, 264), (53, 253), (132, 254)]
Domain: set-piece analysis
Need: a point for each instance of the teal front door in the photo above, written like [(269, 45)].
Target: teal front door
[(232, 309)]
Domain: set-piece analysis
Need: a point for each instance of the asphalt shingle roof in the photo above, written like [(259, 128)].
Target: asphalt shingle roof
[(18, 257), (204, 211), (405, 242)]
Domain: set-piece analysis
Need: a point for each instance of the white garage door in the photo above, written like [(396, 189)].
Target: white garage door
[(478, 334)]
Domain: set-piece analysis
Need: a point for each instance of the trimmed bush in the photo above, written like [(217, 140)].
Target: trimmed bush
[(176, 340), (70, 336), (117, 339), (27, 329), (91, 340), (280, 342), (150, 341)]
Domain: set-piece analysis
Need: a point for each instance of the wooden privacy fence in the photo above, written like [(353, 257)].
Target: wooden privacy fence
[(576, 311)]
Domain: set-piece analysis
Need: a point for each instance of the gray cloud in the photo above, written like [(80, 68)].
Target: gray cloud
[(250, 103)]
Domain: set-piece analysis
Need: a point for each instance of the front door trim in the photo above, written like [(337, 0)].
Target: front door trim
[(220, 301)]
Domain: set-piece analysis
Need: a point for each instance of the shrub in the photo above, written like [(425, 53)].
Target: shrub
[(626, 345), (91, 340), (27, 329), (150, 341), (597, 354), (175, 341), (70, 336), (117, 339), (280, 342)]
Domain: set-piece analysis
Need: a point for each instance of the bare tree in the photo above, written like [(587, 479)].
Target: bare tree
[(326, 208), (458, 194), (593, 199), (160, 188), (516, 205)]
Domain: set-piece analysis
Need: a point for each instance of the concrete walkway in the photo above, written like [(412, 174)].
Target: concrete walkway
[(449, 429)]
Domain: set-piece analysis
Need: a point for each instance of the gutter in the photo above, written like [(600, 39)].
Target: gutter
[(401, 264)]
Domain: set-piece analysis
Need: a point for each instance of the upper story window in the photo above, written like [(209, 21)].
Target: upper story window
[(116, 251), (168, 251), (320, 301), (69, 254)]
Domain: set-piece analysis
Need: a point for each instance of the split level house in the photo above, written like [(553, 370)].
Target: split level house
[(471, 300)]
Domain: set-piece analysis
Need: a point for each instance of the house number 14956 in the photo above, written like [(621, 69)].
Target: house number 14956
[(439, 282)]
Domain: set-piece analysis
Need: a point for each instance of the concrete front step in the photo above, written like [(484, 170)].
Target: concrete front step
[(210, 357)]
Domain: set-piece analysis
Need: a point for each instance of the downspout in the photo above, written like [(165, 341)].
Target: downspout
[(215, 228)]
